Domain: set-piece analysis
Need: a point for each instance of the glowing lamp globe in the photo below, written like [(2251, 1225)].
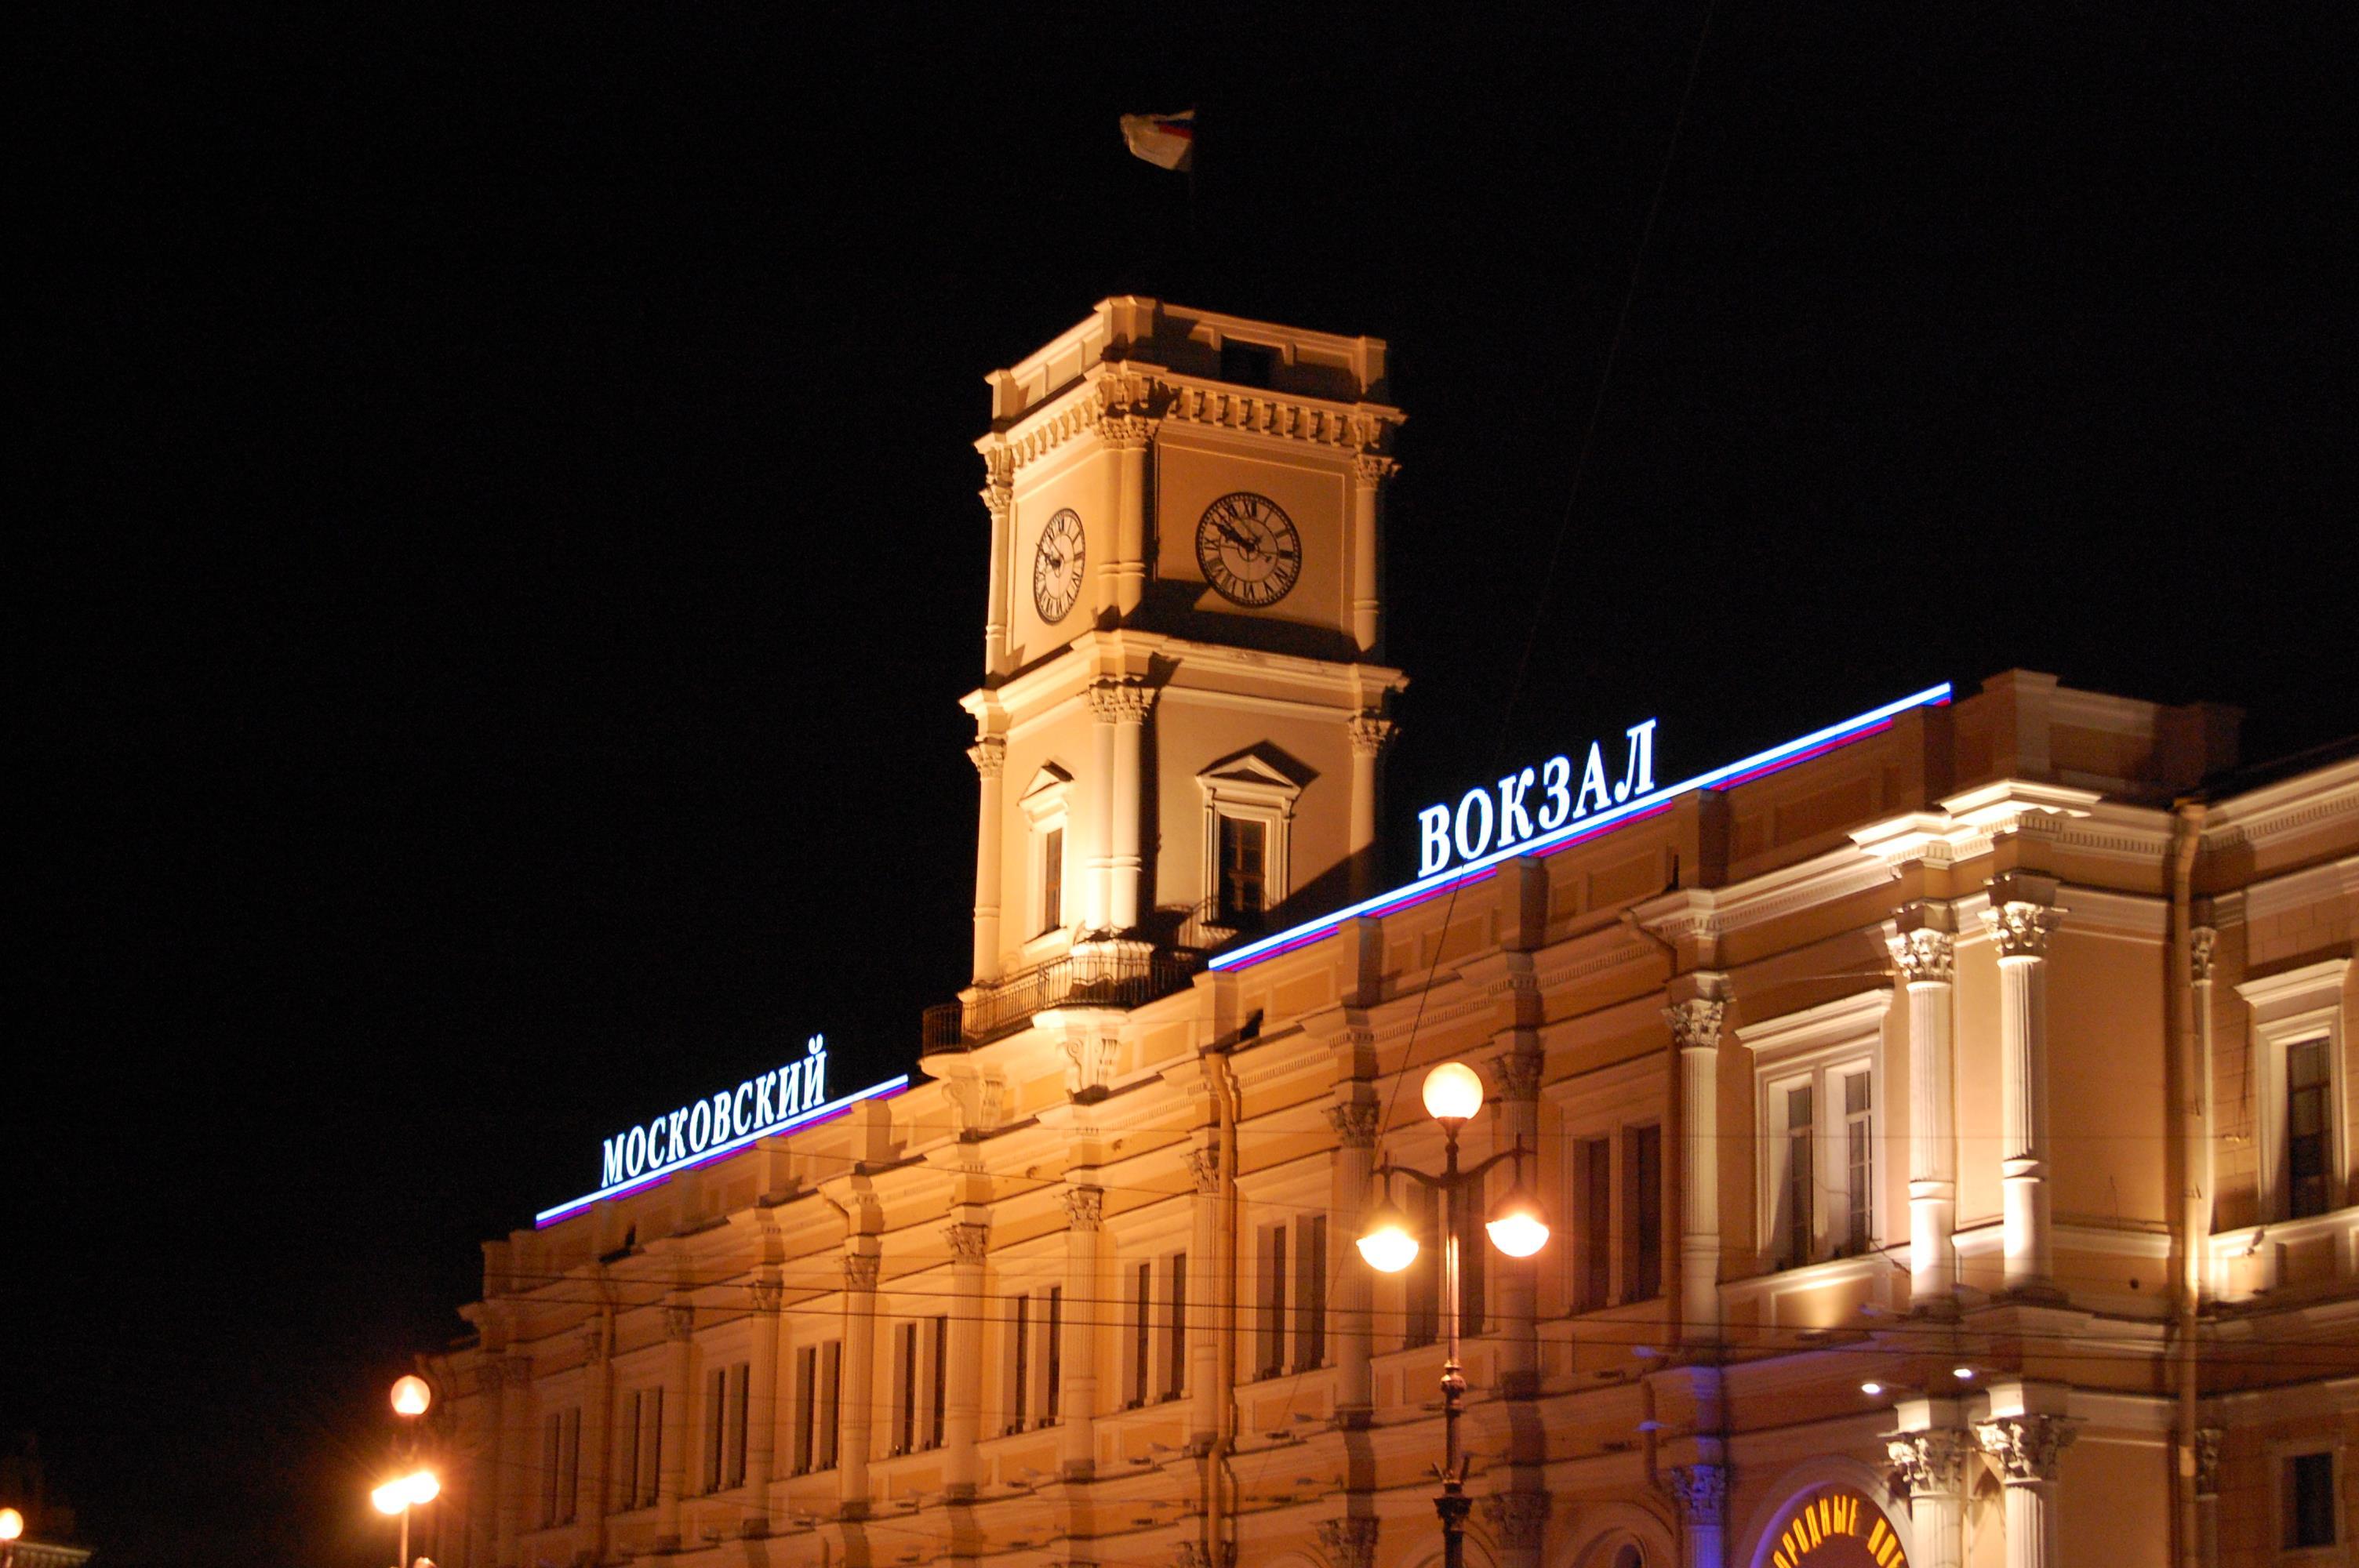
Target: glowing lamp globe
[(1453, 1092), (1388, 1243), (424, 1487), (12, 1524), (391, 1497), (1516, 1225), (411, 1396)]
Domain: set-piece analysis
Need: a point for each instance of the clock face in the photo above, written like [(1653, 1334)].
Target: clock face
[(1248, 549), (1057, 567)]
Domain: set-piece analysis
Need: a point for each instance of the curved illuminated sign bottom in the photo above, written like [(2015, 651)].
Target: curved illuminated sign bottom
[(1835, 1527)]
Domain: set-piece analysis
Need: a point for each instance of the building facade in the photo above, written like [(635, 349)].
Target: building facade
[(1945, 1121)]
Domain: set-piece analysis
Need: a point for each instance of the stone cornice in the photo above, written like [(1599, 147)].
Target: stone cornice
[(1125, 402), (2291, 805)]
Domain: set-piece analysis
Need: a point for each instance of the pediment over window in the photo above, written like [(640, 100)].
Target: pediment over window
[(1048, 789), (1261, 773)]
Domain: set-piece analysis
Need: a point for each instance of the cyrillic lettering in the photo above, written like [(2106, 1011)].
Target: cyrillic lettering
[(791, 1083), (1433, 839), (1638, 774), (1468, 849), (763, 1114), (741, 1121), (635, 1151), (1556, 780), (699, 1126), (815, 1071), (1592, 782), (677, 1124), (1515, 822), (610, 1168)]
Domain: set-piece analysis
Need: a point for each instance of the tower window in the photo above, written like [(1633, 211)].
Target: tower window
[(1052, 879), (2308, 1508), (1243, 871), (2306, 1130)]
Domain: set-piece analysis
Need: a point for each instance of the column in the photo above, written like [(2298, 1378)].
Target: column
[(1518, 1074), (672, 1459), (1126, 436), (999, 495), (1120, 707), (1354, 1122), (2028, 1449), (511, 1378), (1933, 1465), (1085, 1290), (762, 1400), (1105, 709), (1703, 1494), (857, 1383), (1519, 1522), (2021, 931), (1925, 958), (1203, 1263), (1695, 1030), (2205, 941), (596, 1448), (2207, 1495), (970, 1242), (989, 754), (1369, 471), (1371, 733)]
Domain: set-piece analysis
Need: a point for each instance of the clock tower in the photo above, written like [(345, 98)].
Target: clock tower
[(1184, 700)]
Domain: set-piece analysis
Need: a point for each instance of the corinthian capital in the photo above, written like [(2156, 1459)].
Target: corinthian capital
[(997, 498), (1348, 1542), (680, 1322), (1519, 1519), (2020, 929), (1084, 1208), (2027, 1447), (2205, 939), (1205, 1165), (989, 755), (1121, 701), (1126, 432), (1930, 1462), (968, 1243), (1695, 1023), (1925, 958), (1371, 733), (1354, 1124), (1373, 468), (1518, 1075), (860, 1271), (1703, 1492)]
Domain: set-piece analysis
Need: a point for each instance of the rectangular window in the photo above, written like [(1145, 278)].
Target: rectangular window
[(733, 1443), (650, 1468), (2307, 1131), (1142, 1308), (1244, 862), (1019, 1365), (1642, 1207), (830, 1389), (1269, 1358), (1423, 1324), (1593, 1237), (1052, 879), (806, 1405), (905, 1388), (938, 1381), (551, 1436), (569, 1466), (1175, 1327), (1311, 1292), (2308, 1502), (716, 1415), (1052, 1356), (1798, 1212), (627, 1455), (1859, 1164)]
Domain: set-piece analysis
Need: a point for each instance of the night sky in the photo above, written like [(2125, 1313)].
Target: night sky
[(496, 552)]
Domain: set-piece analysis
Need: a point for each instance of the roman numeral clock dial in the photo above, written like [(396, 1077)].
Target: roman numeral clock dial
[(1249, 550), (1057, 567)]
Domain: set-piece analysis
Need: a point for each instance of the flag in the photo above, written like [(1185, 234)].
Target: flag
[(1166, 141)]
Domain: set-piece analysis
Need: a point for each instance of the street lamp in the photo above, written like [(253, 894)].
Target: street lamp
[(1453, 1095), (411, 1396)]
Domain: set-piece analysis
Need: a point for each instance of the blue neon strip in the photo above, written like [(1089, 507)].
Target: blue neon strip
[(548, 1217), (1562, 838)]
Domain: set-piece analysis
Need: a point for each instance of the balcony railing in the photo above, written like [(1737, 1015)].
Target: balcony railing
[(1116, 979)]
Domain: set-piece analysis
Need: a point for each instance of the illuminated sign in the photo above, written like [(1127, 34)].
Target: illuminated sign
[(1835, 1527), (1533, 801), (1547, 841), (777, 1101)]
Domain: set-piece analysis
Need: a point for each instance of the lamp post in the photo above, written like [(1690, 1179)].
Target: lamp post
[(411, 1395), (1453, 1095)]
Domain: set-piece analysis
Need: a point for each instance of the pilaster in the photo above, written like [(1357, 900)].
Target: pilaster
[(1924, 954), (1695, 1021), (2020, 928)]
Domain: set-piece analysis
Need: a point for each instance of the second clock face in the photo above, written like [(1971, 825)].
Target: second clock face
[(1057, 567), (1248, 549)]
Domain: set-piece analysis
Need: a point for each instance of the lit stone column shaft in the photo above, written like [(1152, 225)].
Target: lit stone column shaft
[(1695, 1027), (2028, 1449), (1121, 709), (989, 755), (512, 1395), (1095, 897), (762, 1396), (1926, 960), (1128, 437), (597, 1438), (1370, 734), (1368, 474), (970, 1242), (999, 496), (1519, 1078), (1203, 1264), (2021, 931), (671, 1469), (1076, 1403), (1933, 1463), (857, 1393), (1355, 1122)]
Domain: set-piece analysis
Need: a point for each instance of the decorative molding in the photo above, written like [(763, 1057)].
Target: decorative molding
[(1695, 1023), (2020, 929), (1371, 733), (1518, 1075), (1349, 1543), (997, 498), (2205, 939), (516, 1370), (769, 1294), (1703, 1492), (1924, 957), (1090, 1056), (2208, 1443), (1127, 432), (989, 755), (1517, 1520), (1122, 405), (1121, 702), (1084, 1208), (1371, 468), (2027, 1447), (1356, 1123), (680, 1322), (1930, 1463), (968, 1243), (1204, 1165), (860, 1271)]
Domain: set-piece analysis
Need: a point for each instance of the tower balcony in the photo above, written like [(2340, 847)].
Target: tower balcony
[(1103, 973)]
